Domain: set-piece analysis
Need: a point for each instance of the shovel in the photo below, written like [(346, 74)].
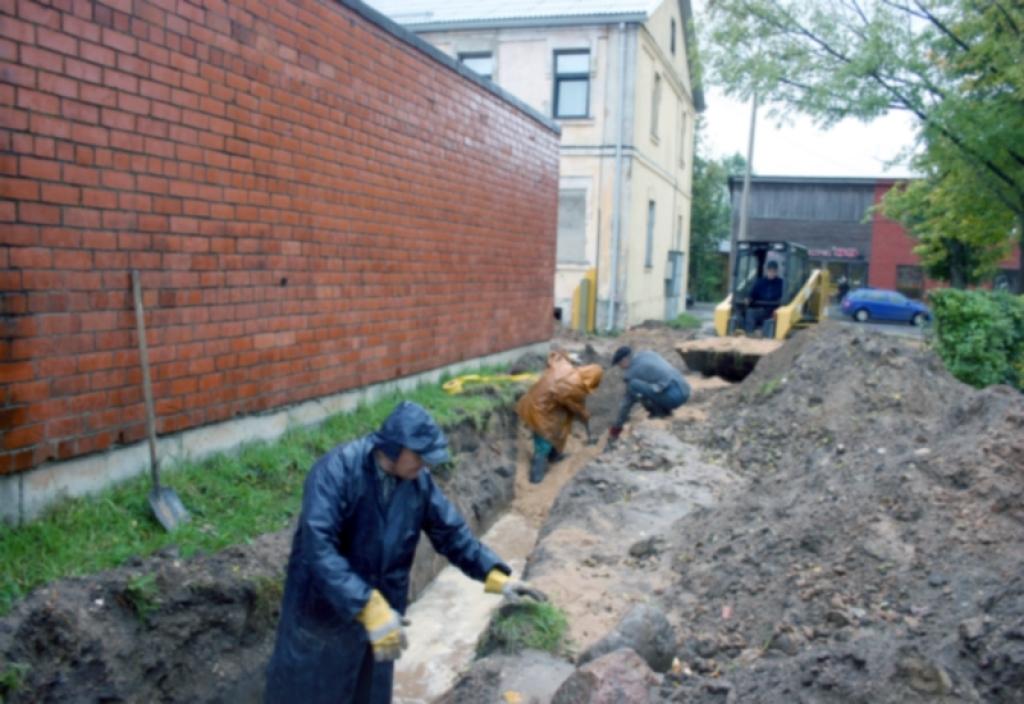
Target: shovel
[(166, 505)]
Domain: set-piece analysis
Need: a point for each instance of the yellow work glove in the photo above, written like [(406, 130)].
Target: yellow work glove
[(498, 582), (384, 627)]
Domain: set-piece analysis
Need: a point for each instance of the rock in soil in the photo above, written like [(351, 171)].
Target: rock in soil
[(616, 678), (645, 630)]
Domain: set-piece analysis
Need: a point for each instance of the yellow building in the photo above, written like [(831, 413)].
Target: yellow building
[(616, 75)]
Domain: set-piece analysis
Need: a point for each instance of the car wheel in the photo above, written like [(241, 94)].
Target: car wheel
[(861, 316), (918, 320)]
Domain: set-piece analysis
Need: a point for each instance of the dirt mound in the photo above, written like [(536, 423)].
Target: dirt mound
[(833, 390), (876, 552)]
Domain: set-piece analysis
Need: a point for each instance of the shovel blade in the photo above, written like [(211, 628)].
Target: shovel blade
[(167, 508)]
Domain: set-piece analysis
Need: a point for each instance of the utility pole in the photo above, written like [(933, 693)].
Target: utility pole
[(745, 197)]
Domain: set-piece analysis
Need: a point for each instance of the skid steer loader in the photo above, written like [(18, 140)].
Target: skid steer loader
[(804, 302)]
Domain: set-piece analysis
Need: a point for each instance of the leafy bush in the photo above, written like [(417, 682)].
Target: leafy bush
[(685, 321), (980, 336)]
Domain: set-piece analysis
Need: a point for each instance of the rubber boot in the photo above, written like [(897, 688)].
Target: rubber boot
[(538, 468)]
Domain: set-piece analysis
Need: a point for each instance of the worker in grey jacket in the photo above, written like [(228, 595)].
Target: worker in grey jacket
[(650, 381)]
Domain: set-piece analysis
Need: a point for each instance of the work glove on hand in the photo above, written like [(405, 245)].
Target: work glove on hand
[(514, 592), (384, 627)]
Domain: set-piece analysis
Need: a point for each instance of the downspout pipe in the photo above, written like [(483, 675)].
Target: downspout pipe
[(617, 198)]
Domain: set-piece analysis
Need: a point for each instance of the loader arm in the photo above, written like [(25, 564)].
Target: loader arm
[(811, 299)]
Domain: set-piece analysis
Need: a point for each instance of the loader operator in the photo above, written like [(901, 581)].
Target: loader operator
[(764, 298), (363, 506), (549, 407), (650, 381)]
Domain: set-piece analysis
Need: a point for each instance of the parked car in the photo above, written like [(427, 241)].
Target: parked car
[(866, 304)]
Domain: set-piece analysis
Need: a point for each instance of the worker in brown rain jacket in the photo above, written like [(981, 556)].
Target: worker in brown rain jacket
[(550, 406)]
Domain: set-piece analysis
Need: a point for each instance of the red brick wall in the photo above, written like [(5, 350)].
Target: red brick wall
[(314, 205), (891, 246)]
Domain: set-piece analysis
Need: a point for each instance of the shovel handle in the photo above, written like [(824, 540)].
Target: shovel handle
[(147, 387)]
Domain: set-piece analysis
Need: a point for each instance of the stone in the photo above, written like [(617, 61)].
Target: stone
[(923, 675), (645, 630), (620, 677)]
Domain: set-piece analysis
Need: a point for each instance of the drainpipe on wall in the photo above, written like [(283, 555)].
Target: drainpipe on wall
[(617, 219)]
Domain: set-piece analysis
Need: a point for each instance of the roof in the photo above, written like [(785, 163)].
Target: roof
[(403, 34), (444, 15), (426, 15), (736, 180)]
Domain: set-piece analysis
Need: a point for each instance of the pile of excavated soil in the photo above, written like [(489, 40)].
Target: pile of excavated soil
[(875, 552)]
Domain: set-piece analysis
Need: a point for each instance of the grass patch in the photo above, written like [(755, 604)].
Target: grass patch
[(769, 387), (527, 626), (142, 596), (232, 497), (12, 678), (685, 321)]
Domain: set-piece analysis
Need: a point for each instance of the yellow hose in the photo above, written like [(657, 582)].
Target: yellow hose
[(458, 384)]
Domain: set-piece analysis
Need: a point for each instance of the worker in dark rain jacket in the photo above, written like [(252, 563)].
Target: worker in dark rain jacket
[(764, 298), (363, 507), (650, 381)]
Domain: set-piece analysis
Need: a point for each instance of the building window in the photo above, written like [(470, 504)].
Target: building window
[(910, 281), (672, 39), (649, 249), (572, 83), (572, 227), (655, 105), (479, 62), (682, 139)]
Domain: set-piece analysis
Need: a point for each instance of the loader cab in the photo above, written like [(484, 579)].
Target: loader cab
[(751, 263)]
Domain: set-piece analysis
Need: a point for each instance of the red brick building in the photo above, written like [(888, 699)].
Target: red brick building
[(316, 199), (894, 264)]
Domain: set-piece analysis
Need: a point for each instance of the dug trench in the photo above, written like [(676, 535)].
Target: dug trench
[(168, 629)]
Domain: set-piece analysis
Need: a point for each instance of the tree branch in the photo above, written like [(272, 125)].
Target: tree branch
[(942, 27)]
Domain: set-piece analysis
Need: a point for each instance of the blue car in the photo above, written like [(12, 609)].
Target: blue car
[(866, 304)]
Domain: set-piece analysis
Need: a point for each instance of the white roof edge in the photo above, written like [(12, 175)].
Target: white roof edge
[(513, 22)]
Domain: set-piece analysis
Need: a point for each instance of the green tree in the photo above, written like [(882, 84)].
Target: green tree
[(709, 220), (960, 228), (957, 65)]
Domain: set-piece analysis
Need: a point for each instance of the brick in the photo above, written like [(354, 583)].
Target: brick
[(96, 54), (73, 259), (121, 81), (59, 85), (38, 213), (83, 71), (13, 119), (16, 74), (98, 95), (82, 112), (38, 102), (133, 103), (57, 41), (58, 193), (41, 58), (19, 188), (119, 41), (81, 175), (31, 257), (87, 134)]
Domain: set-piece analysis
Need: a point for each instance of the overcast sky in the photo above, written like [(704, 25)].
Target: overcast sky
[(851, 148)]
